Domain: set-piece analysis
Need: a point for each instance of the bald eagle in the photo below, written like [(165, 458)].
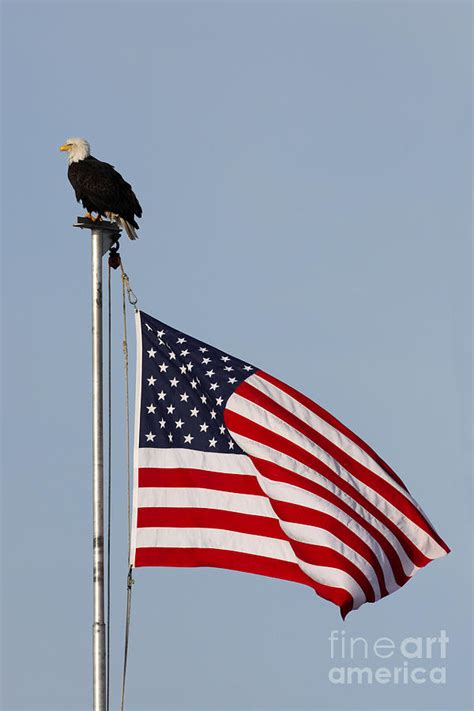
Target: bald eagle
[(100, 187)]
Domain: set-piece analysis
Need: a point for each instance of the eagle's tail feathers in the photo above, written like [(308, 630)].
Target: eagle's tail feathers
[(121, 222), (129, 229)]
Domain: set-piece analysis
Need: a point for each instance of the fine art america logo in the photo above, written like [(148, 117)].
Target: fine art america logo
[(411, 660)]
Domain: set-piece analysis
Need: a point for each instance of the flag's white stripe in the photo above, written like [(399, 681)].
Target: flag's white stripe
[(191, 497), (331, 433), (274, 424), (273, 456), (246, 543), (335, 578), (321, 537), (288, 493), (252, 505), (176, 458), (167, 537)]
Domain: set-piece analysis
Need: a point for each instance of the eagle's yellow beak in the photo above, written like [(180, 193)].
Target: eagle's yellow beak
[(64, 147)]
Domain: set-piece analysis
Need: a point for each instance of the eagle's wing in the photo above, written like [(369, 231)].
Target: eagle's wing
[(101, 184)]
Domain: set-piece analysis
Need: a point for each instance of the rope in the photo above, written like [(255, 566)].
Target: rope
[(127, 400), (109, 485), (130, 582), (114, 261), (126, 288)]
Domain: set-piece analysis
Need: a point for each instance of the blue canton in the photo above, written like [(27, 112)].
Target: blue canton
[(185, 386)]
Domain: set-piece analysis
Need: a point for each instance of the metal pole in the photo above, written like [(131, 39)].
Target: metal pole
[(98, 629), (103, 235)]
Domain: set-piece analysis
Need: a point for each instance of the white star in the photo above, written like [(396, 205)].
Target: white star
[(248, 367), (204, 427), (163, 367), (214, 386), (203, 398), (170, 437), (151, 409), (190, 366), (150, 437), (184, 353), (188, 439), (232, 380), (203, 350), (170, 409), (183, 370), (171, 355), (219, 401), (225, 358), (206, 360), (231, 444), (179, 423), (162, 343), (151, 380), (212, 442), (161, 395), (181, 340), (213, 414), (174, 382), (193, 384), (151, 353), (222, 429), (184, 397), (210, 373), (229, 368), (160, 334), (148, 327), (162, 423), (194, 412)]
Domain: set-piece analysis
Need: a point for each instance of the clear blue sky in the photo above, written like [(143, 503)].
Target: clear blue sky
[(304, 169)]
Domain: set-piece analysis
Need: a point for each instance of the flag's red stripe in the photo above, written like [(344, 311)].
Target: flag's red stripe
[(247, 428), (188, 517), (323, 555), (244, 562), (243, 484), (198, 478), (285, 476), (331, 420), (355, 468), (295, 513)]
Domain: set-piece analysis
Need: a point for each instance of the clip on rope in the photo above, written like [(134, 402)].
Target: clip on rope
[(126, 283)]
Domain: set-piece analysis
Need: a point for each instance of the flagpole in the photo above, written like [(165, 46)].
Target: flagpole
[(103, 235)]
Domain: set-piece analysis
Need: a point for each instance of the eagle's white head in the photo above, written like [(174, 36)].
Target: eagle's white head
[(78, 149)]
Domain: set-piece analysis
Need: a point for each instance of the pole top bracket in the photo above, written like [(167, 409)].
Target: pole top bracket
[(105, 225), (110, 231)]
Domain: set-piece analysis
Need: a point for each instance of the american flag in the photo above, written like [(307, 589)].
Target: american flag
[(235, 469)]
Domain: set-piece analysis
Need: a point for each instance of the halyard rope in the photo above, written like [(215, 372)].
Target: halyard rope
[(126, 288), (130, 582), (133, 301)]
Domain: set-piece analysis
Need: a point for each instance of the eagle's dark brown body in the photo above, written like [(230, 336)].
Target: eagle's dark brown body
[(102, 189)]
